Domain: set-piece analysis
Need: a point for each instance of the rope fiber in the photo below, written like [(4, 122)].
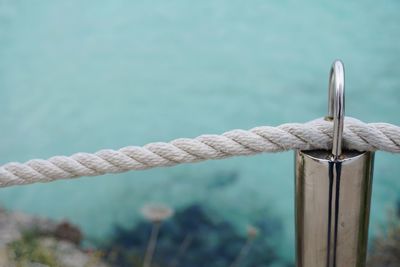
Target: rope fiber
[(315, 134)]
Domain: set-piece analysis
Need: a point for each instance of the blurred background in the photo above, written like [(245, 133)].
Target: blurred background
[(86, 75)]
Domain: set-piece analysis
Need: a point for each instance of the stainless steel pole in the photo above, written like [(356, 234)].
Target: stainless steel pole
[(332, 198)]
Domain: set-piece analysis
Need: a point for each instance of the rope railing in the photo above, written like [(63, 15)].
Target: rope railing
[(316, 134)]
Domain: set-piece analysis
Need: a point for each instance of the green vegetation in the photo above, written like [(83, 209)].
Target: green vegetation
[(29, 249)]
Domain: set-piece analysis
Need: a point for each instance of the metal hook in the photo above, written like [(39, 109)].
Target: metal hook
[(336, 106)]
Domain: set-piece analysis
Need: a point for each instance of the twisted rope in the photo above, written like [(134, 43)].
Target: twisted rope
[(315, 134)]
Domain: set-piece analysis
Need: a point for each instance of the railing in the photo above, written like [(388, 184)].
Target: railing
[(350, 140)]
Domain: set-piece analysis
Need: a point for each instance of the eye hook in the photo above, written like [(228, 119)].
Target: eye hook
[(336, 106)]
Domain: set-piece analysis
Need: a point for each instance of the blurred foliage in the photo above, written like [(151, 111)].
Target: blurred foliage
[(36, 249), (206, 239), (28, 250), (214, 242)]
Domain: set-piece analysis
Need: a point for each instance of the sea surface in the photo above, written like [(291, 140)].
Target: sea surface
[(79, 76)]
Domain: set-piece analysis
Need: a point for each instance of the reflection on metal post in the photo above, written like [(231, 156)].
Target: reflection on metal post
[(333, 192)]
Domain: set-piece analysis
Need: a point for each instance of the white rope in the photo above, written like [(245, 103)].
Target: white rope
[(316, 134)]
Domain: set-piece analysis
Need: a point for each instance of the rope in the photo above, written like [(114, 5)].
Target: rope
[(315, 134)]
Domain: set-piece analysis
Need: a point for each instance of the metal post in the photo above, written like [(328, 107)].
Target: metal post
[(333, 192)]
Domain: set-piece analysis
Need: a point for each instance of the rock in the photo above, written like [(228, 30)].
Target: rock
[(13, 224), (4, 259), (68, 255), (9, 230)]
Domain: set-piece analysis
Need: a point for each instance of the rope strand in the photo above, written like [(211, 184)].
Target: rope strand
[(315, 134)]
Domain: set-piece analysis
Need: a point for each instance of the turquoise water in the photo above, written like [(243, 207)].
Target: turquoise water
[(86, 75)]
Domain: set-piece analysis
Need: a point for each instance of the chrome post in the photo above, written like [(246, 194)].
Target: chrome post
[(332, 195)]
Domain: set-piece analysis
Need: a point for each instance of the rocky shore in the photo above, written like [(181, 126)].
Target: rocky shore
[(30, 241), (188, 237)]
